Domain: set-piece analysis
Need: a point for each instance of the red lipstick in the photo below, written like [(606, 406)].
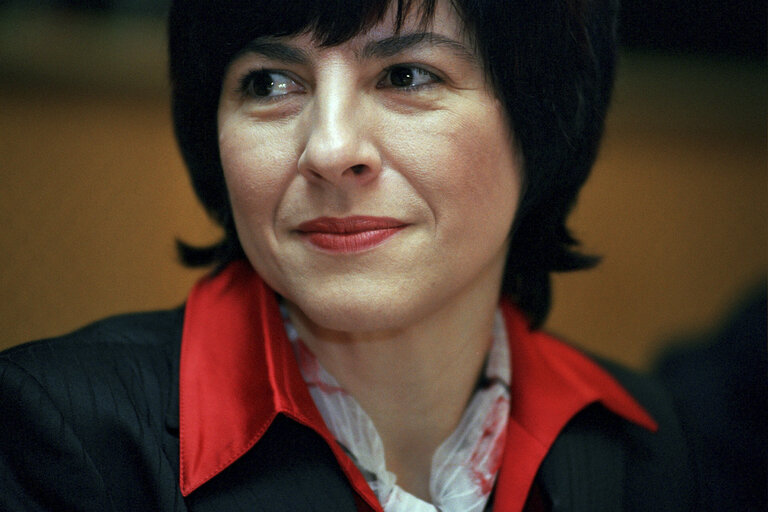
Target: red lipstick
[(349, 234)]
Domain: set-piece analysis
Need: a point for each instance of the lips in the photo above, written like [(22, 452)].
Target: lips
[(349, 234)]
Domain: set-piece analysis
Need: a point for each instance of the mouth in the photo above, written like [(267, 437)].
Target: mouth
[(349, 234)]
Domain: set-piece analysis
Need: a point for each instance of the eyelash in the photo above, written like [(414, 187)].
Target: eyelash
[(246, 83)]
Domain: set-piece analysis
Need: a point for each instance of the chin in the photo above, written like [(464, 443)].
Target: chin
[(359, 312)]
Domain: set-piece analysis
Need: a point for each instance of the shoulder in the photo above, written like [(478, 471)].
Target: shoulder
[(87, 416), (128, 358), (137, 340), (138, 329)]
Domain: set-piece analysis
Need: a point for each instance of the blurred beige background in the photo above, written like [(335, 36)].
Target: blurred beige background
[(93, 191)]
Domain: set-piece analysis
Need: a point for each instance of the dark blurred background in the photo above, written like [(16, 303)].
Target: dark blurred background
[(707, 27)]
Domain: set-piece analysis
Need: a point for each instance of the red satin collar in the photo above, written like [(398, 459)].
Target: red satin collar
[(238, 372)]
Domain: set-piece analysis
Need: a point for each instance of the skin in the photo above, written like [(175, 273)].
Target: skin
[(403, 326)]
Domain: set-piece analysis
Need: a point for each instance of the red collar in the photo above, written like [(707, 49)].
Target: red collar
[(238, 372)]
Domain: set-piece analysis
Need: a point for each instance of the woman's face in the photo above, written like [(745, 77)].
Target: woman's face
[(372, 182)]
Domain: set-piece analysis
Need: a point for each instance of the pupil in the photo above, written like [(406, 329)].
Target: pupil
[(261, 84), (402, 77)]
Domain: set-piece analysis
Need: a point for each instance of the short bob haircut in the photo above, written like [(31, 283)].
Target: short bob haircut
[(550, 62)]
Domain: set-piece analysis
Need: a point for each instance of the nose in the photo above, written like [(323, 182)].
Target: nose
[(339, 147)]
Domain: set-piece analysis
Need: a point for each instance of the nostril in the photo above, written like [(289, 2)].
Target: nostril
[(357, 170)]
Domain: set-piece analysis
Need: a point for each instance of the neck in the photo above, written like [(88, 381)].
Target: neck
[(414, 382)]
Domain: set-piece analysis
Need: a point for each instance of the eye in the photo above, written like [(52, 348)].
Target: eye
[(263, 84), (407, 77)]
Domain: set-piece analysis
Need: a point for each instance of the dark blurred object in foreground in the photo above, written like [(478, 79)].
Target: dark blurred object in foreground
[(720, 385)]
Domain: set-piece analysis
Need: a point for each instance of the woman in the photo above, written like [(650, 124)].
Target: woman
[(393, 180)]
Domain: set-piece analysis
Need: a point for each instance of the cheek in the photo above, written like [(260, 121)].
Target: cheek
[(470, 175), (483, 199), (255, 170)]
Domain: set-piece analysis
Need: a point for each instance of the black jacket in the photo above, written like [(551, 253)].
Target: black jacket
[(90, 423)]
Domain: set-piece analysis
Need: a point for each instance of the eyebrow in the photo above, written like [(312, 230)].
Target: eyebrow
[(381, 49), (276, 50), (391, 46)]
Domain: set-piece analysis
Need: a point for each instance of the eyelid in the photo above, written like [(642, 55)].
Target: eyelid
[(436, 76), (244, 81), (419, 65)]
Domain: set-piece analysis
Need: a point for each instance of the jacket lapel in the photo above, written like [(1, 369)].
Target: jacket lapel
[(290, 468), (585, 468)]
